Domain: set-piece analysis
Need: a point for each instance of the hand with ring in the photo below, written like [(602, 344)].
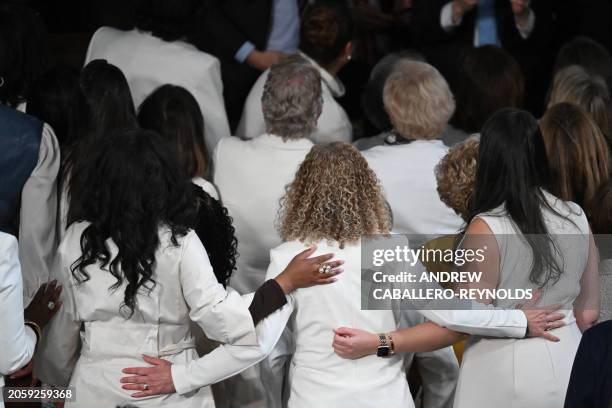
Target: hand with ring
[(303, 271), (148, 381), (45, 304)]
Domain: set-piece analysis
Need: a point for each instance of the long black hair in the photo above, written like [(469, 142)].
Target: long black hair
[(132, 187), (173, 112), (108, 98), (513, 171)]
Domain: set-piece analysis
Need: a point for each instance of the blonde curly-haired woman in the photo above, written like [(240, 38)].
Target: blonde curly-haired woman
[(334, 199)]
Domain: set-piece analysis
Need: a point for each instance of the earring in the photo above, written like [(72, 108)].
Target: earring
[(1, 81)]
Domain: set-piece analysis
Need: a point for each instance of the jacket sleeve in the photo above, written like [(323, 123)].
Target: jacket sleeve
[(222, 314), (38, 230), (231, 359), (17, 342)]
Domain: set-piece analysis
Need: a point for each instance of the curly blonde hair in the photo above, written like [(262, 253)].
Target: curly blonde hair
[(456, 176), (335, 196)]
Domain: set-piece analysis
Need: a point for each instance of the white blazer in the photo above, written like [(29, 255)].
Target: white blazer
[(251, 177), (149, 62), (186, 290), (407, 175), (17, 342), (333, 125)]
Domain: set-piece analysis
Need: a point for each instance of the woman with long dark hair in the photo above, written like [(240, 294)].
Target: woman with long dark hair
[(536, 241), (104, 106), (173, 112), (135, 274)]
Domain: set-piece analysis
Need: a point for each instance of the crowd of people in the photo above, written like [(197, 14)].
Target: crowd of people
[(182, 217)]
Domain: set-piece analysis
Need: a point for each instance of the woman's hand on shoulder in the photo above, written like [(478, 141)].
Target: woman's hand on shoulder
[(354, 343), (303, 272)]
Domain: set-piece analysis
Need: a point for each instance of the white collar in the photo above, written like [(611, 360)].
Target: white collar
[(277, 142), (335, 86)]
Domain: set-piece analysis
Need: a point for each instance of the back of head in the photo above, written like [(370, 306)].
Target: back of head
[(593, 57), (456, 176), (131, 187), (372, 98), (577, 153), (418, 100), (55, 98), (512, 171), (490, 80), (335, 196), (168, 20), (325, 29), (107, 95), (22, 51), (173, 112), (590, 92), (291, 100)]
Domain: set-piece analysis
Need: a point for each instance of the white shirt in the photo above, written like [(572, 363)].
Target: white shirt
[(149, 62), (17, 342), (251, 177), (407, 175), (207, 186), (186, 290), (448, 25), (333, 124)]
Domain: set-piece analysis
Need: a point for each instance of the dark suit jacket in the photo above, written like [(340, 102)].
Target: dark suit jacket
[(590, 383), (226, 24), (445, 50)]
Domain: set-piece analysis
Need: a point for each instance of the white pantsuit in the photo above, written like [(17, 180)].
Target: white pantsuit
[(90, 359), (149, 62), (333, 124)]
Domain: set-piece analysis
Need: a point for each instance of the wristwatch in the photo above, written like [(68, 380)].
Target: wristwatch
[(385, 345)]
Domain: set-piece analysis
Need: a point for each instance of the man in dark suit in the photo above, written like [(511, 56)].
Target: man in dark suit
[(444, 29), (248, 36)]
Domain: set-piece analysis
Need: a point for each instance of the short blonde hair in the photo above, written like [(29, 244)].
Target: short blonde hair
[(335, 196), (418, 100), (456, 176)]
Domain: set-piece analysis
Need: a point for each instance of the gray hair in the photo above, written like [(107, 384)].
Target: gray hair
[(292, 100)]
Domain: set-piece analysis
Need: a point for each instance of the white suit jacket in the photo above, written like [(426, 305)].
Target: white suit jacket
[(407, 175), (186, 290), (333, 125), (149, 62), (251, 177), (17, 342)]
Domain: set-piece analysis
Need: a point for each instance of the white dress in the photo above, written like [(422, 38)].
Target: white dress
[(149, 62), (317, 376), (333, 124), (531, 372), (90, 359)]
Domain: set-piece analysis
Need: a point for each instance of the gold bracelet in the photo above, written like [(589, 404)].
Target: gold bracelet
[(37, 330)]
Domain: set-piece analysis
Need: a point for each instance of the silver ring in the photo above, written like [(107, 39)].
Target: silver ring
[(145, 386), (325, 269), (51, 305)]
